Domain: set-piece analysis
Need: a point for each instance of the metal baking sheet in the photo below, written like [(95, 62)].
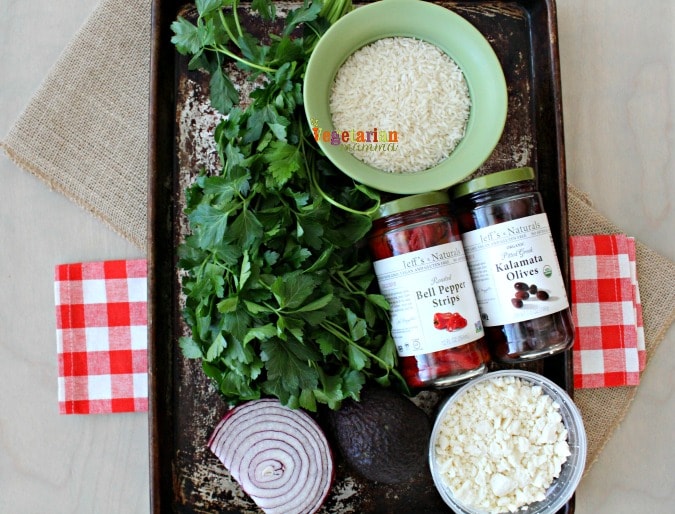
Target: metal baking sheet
[(184, 407)]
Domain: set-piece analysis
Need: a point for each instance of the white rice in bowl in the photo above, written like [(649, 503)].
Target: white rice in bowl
[(400, 105)]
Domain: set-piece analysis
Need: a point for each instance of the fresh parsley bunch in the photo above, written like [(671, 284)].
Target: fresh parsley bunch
[(281, 297)]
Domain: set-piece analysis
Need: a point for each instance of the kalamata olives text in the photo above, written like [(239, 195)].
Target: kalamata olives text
[(517, 302), (542, 295), (521, 286)]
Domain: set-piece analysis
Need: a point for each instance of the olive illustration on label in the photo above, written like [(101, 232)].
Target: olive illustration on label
[(528, 291)]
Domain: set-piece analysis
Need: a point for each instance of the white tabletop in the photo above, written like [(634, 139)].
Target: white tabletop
[(618, 76)]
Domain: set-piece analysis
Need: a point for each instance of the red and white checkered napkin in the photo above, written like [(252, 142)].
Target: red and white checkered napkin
[(609, 345), (101, 334)]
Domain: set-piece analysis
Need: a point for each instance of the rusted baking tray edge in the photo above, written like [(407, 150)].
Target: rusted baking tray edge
[(184, 477)]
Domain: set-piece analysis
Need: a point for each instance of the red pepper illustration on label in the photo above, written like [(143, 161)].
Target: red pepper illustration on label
[(449, 321)]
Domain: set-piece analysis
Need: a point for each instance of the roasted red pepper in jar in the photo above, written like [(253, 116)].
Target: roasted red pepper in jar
[(422, 271), (513, 262)]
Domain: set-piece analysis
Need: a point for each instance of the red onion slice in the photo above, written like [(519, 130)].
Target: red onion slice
[(279, 456)]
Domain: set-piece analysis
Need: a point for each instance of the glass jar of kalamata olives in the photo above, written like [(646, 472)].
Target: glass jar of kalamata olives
[(422, 272), (514, 266)]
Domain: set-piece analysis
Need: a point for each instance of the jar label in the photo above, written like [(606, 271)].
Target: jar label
[(515, 271), (433, 305)]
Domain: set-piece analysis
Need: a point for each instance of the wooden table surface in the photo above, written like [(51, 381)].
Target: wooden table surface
[(618, 78)]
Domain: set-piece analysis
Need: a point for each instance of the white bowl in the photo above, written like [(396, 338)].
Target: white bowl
[(562, 487), (452, 34)]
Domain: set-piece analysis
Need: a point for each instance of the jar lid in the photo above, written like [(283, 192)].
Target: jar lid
[(499, 178), (408, 203)]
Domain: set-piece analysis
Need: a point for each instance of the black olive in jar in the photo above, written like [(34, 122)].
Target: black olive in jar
[(422, 271), (514, 266)]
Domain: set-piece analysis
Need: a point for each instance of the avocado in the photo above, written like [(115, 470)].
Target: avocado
[(384, 436)]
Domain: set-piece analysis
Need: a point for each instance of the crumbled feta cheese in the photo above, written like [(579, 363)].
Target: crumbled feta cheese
[(501, 445)]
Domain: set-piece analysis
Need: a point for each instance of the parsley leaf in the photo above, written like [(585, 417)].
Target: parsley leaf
[(223, 93)]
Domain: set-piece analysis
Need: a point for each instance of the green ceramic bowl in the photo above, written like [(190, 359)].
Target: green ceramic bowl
[(460, 40)]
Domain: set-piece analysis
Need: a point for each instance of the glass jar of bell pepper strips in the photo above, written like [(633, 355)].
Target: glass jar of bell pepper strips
[(515, 270), (421, 270)]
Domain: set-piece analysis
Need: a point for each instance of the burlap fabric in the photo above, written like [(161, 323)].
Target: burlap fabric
[(85, 131), (85, 134)]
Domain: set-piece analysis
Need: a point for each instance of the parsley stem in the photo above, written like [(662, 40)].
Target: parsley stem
[(223, 50), (221, 15), (236, 18), (347, 284), (313, 39), (340, 333), (313, 176)]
